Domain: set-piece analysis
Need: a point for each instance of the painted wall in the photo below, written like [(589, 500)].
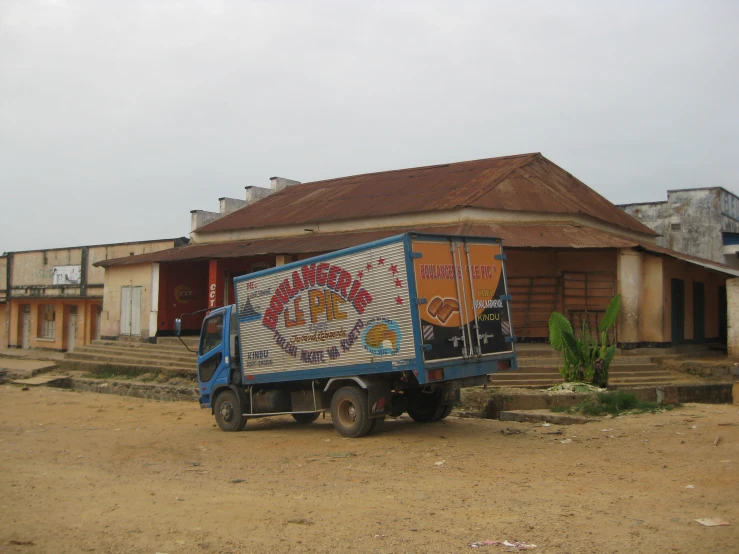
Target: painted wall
[(96, 275), (732, 299), (3, 276), (117, 277), (183, 287), (83, 332), (691, 221)]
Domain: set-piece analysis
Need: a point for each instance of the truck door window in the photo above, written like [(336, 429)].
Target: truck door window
[(212, 334)]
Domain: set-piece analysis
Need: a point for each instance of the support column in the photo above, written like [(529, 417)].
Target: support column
[(154, 313), (215, 284), (630, 274), (732, 311)]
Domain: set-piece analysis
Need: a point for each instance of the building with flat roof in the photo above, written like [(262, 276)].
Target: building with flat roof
[(702, 222), (53, 298)]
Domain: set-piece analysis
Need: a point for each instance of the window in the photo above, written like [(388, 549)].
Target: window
[(48, 320), (212, 334), (676, 227)]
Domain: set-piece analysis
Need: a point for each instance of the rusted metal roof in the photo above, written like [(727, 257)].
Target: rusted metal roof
[(708, 264), (513, 235), (524, 183)]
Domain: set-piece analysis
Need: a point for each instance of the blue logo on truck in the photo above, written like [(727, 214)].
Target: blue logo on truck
[(382, 337)]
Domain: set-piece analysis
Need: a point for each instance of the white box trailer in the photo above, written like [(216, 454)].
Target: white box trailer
[(393, 326)]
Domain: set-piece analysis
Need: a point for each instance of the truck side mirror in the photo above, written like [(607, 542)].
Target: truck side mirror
[(177, 327)]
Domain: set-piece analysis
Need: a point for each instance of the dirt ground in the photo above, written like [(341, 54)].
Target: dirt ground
[(84, 472)]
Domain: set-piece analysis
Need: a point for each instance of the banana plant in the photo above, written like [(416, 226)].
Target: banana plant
[(586, 359)]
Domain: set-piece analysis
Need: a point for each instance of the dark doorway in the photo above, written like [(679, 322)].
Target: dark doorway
[(722, 320), (678, 311), (699, 313)]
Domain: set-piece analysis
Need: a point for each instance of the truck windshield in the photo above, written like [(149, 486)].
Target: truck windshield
[(212, 334)]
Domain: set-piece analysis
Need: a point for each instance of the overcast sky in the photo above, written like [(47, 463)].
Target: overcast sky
[(119, 117)]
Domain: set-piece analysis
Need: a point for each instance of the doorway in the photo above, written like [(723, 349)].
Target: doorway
[(130, 311), (678, 311), (72, 328), (699, 313)]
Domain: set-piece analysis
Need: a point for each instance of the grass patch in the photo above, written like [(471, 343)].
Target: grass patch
[(613, 403)]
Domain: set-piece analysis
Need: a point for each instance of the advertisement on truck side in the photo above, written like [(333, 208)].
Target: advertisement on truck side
[(349, 309)]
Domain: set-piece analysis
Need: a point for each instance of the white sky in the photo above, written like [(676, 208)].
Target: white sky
[(119, 117)]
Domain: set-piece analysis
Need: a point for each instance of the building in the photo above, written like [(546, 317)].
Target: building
[(569, 249), (702, 222), (52, 298)]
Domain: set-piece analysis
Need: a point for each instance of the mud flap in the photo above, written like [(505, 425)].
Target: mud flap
[(379, 399)]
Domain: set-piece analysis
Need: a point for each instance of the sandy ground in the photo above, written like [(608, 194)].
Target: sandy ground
[(81, 472)]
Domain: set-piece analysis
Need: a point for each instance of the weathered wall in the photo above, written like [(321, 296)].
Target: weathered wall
[(121, 276), (3, 276), (630, 285), (699, 213), (651, 307), (96, 275)]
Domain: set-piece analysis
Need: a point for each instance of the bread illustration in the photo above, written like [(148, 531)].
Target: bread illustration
[(392, 337), (447, 308), (376, 335), (434, 306)]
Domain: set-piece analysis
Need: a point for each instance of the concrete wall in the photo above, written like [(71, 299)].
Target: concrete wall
[(117, 277), (732, 300), (3, 276), (699, 213)]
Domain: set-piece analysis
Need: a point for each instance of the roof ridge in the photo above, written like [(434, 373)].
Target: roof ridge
[(527, 159), (434, 166)]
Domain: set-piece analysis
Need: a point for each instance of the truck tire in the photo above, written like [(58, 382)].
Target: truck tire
[(227, 410), (445, 413), (306, 418), (425, 408), (350, 412)]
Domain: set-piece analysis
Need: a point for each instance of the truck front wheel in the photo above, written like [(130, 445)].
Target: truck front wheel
[(350, 412), (228, 414)]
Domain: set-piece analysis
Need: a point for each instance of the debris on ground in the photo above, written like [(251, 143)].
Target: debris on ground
[(510, 431), (300, 521), (566, 441), (440, 463), (712, 521), (520, 545), (237, 480), (339, 455), (575, 387), (689, 487), (22, 543), (718, 440)]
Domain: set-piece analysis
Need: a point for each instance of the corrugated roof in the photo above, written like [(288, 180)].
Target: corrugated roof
[(524, 183), (513, 235), (708, 264)]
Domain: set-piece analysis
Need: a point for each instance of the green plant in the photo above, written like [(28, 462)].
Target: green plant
[(588, 358), (614, 403)]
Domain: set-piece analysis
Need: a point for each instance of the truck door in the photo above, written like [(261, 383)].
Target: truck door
[(464, 313), (211, 347)]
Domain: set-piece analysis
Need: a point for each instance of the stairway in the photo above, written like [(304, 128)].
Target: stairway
[(537, 368), (168, 356)]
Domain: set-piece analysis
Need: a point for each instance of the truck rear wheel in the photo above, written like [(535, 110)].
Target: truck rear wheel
[(350, 412), (227, 410), (378, 425), (425, 408), (445, 413), (306, 418)]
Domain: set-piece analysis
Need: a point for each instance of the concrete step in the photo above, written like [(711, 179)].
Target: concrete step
[(520, 375), (175, 348), (115, 359), (555, 361), (167, 341), (97, 367), (137, 353)]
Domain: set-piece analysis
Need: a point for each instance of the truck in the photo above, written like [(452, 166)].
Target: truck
[(394, 326)]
